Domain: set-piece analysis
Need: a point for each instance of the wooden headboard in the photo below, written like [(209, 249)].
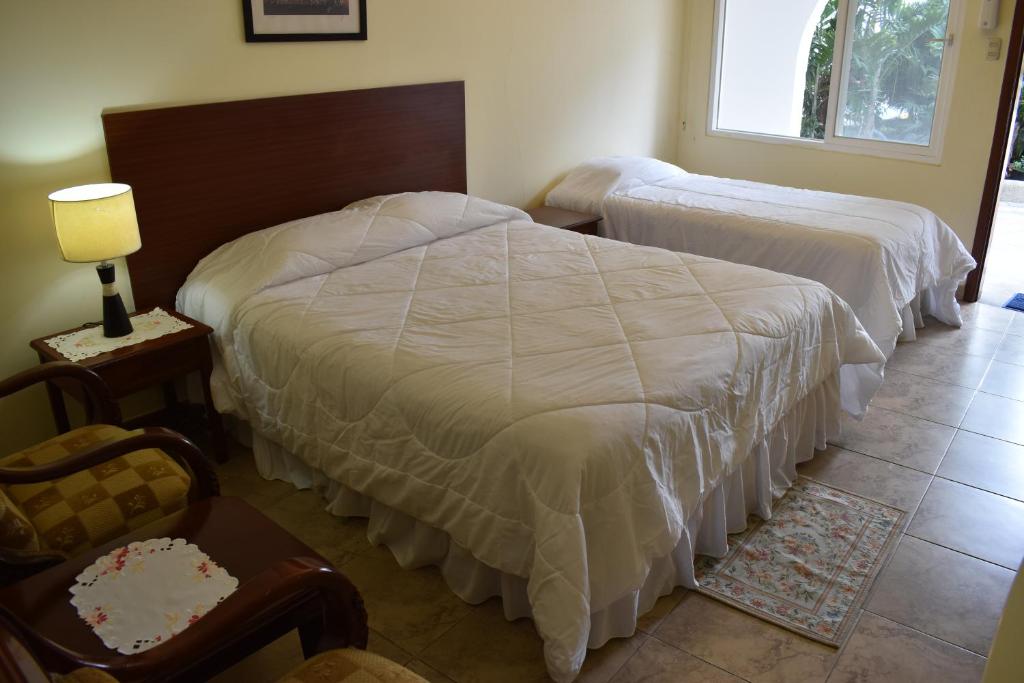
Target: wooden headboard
[(206, 174)]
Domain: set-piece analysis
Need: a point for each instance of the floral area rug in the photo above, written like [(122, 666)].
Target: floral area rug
[(809, 567)]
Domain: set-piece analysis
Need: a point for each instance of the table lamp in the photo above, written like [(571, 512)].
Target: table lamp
[(97, 223)]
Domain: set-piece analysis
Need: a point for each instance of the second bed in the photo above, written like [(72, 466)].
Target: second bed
[(892, 262)]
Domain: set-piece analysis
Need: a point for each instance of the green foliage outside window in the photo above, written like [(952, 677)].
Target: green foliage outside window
[(893, 73), (819, 73), (1016, 167)]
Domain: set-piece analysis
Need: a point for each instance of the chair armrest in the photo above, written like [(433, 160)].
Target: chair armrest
[(101, 406), (183, 451), (241, 613)]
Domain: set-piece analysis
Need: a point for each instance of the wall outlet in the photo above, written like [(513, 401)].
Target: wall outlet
[(995, 49)]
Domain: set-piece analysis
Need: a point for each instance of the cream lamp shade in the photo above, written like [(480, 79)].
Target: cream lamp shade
[(95, 222)]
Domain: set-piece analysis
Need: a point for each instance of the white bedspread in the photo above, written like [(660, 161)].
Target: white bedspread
[(878, 255), (557, 404)]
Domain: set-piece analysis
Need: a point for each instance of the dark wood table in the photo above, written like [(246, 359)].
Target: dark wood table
[(583, 223), (140, 366), (246, 544)]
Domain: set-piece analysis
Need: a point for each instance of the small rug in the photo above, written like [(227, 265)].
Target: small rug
[(1016, 303), (808, 568)]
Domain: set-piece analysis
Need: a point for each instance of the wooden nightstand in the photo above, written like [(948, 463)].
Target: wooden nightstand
[(583, 223), (140, 366)]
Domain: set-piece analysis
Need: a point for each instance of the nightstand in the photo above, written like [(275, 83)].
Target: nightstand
[(583, 223), (140, 366)]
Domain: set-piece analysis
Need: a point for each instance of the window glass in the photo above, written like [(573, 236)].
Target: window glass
[(892, 75), (779, 65)]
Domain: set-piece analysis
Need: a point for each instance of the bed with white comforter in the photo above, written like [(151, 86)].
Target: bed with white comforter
[(890, 261), (556, 419)]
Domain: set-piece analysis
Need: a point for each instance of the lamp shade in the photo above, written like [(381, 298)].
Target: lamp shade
[(95, 222)]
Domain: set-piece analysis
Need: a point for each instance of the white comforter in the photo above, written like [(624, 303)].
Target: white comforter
[(557, 404), (878, 255)]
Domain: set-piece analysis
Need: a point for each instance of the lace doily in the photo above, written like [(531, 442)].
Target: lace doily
[(90, 342), (139, 595)]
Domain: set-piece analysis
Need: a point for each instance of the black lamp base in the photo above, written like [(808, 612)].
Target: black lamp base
[(115, 317)]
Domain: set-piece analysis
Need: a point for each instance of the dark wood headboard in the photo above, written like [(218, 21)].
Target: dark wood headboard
[(206, 174)]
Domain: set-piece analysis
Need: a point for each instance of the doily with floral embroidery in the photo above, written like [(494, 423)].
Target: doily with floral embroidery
[(89, 342), (137, 596)]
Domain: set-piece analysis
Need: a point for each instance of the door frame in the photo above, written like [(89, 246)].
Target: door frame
[(1005, 116)]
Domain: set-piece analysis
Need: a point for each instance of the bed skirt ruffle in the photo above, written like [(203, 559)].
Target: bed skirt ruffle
[(766, 474), (861, 382)]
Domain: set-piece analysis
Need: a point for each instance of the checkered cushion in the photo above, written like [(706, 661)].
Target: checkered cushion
[(91, 507), (351, 666), (85, 676)]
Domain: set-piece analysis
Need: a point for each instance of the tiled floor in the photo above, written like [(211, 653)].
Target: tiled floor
[(944, 441)]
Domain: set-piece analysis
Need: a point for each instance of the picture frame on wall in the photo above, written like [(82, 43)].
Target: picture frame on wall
[(301, 20)]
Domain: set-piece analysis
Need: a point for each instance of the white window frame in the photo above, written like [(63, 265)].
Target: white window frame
[(932, 154)]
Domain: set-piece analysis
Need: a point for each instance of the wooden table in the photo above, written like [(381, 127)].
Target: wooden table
[(140, 366), (583, 223), (233, 534)]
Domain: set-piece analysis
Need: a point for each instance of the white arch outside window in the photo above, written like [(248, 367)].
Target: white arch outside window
[(876, 103)]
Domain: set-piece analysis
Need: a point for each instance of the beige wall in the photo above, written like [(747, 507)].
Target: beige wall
[(548, 84), (951, 189)]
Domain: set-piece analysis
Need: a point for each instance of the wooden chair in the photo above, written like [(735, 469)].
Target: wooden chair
[(338, 656), (92, 484)]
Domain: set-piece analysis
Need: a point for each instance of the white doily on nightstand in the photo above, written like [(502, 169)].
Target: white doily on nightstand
[(140, 595), (82, 344)]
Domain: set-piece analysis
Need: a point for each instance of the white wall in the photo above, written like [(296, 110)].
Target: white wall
[(764, 65)]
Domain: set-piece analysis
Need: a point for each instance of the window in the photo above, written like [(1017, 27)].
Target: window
[(860, 75)]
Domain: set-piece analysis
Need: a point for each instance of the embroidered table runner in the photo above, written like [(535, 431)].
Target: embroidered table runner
[(140, 595), (90, 342)]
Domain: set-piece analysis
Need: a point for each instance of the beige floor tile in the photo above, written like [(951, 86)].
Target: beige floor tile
[(882, 651), (380, 645), (925, 398), (742, 644), (985, 463), (427, 672), (657, 662), (1004, 379), (872, 478), (898, 438), (943, 593), (934, 362), (1017, 324), (603, 663), (269, 664), (986, 317), (972, 521), (238, 477), (649, 622), (970, 340), (486, 647), (336, 538), (1011, 350), (411, 607), (1002, 418)]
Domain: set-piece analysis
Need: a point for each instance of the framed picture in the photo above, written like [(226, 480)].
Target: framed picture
[(283, 20)]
